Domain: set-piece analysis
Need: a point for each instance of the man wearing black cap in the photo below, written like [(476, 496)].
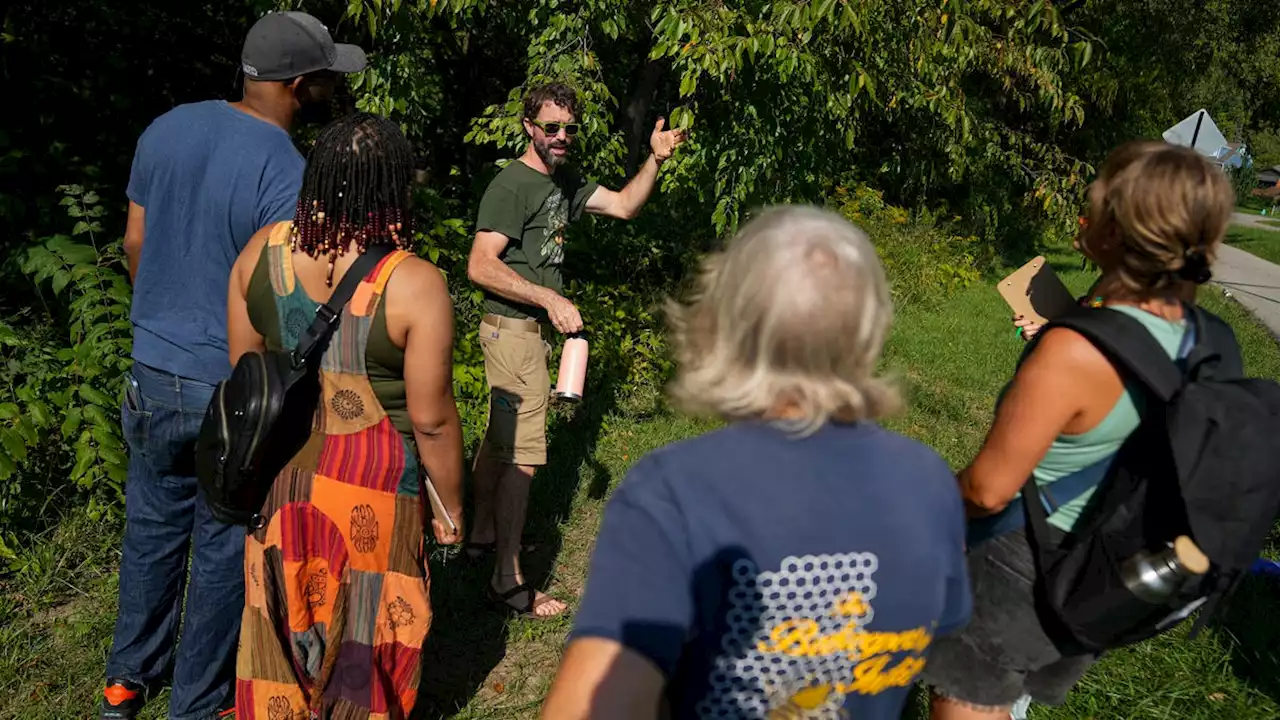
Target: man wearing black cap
[(206, 176)]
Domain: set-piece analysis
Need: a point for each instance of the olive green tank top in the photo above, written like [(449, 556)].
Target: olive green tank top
[(384, 362)]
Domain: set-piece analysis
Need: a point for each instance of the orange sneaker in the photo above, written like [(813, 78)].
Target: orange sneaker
[(121, 700)]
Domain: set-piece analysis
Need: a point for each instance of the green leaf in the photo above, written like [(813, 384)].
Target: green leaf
[(71, 423), (113, 456), (94, 414), (27, 431), (688, 84), (7, 466), (8, 411), (78, 254), (118, 474), (39, 413), (93, 395), (60, 280), (105, 436), (13, 444), (84, 460)]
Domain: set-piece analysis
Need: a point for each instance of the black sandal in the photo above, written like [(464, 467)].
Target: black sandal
[(529, 603), (477, 551)]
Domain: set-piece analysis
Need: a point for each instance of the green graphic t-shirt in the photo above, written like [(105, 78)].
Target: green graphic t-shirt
[(532, 210)]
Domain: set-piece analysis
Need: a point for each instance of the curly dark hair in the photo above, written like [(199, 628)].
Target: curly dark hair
[(555, 92)]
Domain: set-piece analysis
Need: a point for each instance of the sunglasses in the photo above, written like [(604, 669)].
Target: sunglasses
[(553, 128)]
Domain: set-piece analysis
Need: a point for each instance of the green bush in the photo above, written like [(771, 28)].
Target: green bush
[(1243, 181), (924, 261), (59, 404)]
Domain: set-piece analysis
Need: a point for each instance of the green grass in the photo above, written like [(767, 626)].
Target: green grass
[(1256, 241), (56, 614)]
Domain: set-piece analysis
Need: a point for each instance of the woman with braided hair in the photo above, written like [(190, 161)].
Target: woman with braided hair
[(337, 605)]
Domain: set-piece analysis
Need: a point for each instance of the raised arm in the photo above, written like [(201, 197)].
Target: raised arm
[(419, 302), (486, 269), (626, 203)]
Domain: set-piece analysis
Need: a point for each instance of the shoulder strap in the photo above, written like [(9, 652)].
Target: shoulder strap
[(1217, 347), (327, 315), (1128, 344)]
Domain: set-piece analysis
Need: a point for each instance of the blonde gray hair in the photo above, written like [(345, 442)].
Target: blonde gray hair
[(792, 315)]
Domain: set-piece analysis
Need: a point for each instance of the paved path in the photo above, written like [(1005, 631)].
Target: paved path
[(1251, 220), (1253, 281)]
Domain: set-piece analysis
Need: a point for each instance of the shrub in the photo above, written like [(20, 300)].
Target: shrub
[(925, 261), (1244, 180), (62, 371)]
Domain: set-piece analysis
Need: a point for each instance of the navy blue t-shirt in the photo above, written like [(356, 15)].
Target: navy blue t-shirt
[(761, 571), (209, 177)]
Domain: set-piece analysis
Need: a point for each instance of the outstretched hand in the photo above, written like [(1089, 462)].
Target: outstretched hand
[(664, 142)]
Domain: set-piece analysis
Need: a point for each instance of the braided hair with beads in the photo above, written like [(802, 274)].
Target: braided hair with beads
[(356, 188)]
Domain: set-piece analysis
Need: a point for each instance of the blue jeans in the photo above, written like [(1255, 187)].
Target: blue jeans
[(165, 518)]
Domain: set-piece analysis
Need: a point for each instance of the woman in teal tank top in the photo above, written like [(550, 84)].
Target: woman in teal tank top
[(1157, 214)]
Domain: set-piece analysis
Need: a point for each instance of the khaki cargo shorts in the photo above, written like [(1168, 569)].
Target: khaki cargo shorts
[(515, 365)]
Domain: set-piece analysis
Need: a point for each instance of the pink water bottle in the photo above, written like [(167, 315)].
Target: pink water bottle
[(573, 369)]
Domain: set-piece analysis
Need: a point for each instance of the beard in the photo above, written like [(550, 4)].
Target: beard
[(550, 159)]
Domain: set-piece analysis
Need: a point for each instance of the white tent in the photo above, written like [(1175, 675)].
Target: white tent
[(1199, 132)]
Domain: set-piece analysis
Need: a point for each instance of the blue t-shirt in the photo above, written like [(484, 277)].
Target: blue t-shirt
[(760, 571), (209, 176)]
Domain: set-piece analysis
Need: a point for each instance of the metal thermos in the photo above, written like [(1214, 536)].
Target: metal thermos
[(1155, 577), (573, 369)]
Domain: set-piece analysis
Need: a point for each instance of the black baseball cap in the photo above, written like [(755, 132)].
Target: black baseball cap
[(285, 45)]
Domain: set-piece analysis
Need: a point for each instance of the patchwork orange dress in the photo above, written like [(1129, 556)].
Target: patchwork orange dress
[(337, 604)]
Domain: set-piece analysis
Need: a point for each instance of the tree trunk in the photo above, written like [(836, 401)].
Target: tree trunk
[(637, 113)]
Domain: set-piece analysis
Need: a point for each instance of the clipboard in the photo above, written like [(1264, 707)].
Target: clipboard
[(437, 506), (1035, 292)]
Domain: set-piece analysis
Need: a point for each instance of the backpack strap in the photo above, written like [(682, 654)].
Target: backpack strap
[(1216, 349), (1133, 350), (1127, 343), (317, 336), (1052, 497)]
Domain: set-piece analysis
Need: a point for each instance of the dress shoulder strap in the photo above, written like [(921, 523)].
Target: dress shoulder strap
[(280, 259), (365, 302)]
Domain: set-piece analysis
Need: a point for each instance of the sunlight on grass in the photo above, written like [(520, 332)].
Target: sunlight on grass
[(951, 360), (1256, 241)]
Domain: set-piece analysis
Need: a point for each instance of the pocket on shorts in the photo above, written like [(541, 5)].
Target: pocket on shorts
[(513, 360), (1005, 628), (1010, 555)]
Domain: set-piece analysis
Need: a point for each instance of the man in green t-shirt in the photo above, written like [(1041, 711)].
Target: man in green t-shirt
[(516, 259)]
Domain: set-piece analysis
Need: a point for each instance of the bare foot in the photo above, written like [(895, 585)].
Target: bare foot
[(523, 598)]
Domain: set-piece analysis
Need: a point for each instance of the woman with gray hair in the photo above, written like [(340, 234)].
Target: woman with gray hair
[(800, 561)]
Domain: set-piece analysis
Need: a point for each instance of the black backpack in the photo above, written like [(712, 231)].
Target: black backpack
[(1204, 463), (263, 414)]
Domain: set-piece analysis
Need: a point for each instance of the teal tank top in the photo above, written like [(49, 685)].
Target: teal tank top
[(1070, 453)]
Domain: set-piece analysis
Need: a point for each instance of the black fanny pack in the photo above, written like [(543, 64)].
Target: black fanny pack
[(262, 415)]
